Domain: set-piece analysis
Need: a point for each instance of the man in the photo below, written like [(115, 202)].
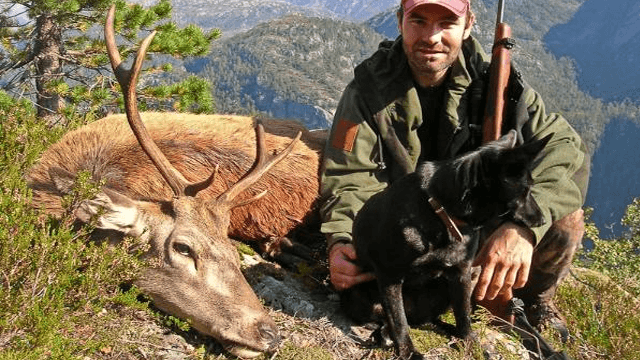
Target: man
[(420, 98)]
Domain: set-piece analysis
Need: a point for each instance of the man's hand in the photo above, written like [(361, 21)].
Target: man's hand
[(505, 259), (344, 272)]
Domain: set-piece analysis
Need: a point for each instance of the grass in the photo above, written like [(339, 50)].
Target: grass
[(604, 317), (52, 282), (62, 297)]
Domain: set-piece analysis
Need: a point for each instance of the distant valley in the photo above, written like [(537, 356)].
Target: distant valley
[(604, 41), (606, 51)]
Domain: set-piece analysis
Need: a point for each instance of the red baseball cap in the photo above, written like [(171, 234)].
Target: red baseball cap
[(458, 7)]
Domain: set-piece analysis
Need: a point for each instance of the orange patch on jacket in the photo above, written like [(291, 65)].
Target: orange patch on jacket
[(345, 135)]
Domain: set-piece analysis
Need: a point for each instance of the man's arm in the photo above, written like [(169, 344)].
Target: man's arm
[(561, 178), (349, 177), (349, 174), (560, 183)]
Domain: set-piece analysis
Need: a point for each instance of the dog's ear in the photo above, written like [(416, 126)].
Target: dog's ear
[(508, 140), (493, 156), (527, 154), (531, 152)]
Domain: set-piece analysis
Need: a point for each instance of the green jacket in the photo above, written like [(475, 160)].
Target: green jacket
[(380, 110)]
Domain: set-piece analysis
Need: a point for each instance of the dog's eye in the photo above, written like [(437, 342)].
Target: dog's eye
[(509, 183)]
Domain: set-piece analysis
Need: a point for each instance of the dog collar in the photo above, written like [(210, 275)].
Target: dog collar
[(451, 226)]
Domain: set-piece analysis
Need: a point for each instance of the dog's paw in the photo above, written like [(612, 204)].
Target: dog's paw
[(408, 352), (381, 337), (473, 336)]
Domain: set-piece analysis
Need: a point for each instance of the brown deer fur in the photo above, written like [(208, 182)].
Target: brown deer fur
[(194, 144)]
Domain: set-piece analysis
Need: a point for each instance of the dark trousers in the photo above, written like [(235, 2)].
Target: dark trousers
[(552, 258)]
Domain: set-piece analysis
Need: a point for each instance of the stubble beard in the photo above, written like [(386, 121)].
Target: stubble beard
[(430, 66)]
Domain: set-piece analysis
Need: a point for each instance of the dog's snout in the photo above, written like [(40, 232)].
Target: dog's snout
[(530, 213)]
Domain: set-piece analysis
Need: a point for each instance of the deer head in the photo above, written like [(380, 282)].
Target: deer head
[(198, 276)]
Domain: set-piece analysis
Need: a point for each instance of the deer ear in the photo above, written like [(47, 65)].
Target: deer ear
[(112, 210), (109, 209)]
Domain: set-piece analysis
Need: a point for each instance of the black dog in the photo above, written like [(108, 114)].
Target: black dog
[(422, 261)]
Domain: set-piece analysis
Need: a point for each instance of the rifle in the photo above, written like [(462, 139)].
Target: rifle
[(499, 71)]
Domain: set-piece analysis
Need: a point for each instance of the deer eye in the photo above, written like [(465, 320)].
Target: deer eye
[(182, 249)]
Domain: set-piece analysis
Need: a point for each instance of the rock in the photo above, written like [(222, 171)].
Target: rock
[(285, 296)]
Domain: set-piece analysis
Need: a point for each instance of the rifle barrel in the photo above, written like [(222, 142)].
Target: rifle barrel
[(500, 12), (499, 72)]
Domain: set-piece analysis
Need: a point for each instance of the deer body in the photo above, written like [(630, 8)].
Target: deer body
[(194, 144), (185, 183)]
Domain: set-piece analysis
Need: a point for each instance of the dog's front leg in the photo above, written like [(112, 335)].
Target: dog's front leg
[(397, 319), (460, 289)]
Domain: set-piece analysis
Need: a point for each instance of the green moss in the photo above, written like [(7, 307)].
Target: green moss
[(426, 339), (291, 352), (244, 249)]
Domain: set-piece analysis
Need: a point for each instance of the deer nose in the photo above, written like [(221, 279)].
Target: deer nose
[(269, 334)]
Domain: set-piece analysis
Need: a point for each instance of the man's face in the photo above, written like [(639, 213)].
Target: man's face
[(432, 38)]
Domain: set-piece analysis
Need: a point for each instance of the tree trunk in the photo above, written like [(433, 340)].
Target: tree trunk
[(48, 48)]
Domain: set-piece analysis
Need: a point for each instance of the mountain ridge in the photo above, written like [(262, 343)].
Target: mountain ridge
[(603, 48), (293, 63)]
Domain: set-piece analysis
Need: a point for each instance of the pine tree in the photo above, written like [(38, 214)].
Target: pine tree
[(58, 58)]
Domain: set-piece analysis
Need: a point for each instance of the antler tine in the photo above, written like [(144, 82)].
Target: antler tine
[(262, 164), (128, 80), (110, 39)]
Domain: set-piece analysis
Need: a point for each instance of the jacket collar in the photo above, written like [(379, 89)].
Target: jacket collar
[(385, 76), (385, 85)]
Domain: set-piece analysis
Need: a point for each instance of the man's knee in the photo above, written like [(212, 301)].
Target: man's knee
[(559, 244), (552, 257), (571, 227), (565, 233)]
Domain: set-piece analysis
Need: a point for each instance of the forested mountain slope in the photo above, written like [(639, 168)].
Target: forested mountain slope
[(294, 67), (604, 40)]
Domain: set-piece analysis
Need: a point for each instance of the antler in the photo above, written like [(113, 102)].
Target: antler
[(128, 80), (262, 164)]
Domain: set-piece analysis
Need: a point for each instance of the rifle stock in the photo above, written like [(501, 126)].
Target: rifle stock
[(499, 71)]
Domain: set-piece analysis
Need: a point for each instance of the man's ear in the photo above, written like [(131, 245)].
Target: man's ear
[(469, 25), (399, 16)]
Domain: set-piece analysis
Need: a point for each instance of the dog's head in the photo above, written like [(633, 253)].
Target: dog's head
[(496, 181)]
